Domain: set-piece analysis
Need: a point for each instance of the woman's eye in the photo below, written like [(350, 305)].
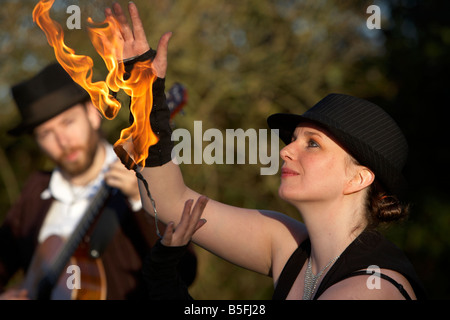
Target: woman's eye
[(313, 144)]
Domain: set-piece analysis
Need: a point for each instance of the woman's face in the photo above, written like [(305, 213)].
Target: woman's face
[(315, 167)]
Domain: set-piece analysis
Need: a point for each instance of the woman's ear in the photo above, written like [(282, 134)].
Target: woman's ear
[(362, 178)]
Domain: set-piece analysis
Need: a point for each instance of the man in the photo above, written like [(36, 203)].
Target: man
[(89, 205)]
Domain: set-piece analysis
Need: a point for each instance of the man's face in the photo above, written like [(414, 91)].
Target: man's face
[(70, 139)]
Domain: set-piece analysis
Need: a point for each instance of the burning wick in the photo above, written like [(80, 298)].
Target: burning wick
[(125, 157)]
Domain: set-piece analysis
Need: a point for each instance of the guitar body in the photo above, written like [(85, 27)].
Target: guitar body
[(93, 285), (83, 278)]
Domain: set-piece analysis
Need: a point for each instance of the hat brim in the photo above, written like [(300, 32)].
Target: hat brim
[(50, 106), (285, 123)]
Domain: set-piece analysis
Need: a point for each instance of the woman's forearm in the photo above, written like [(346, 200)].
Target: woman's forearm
[(167, 188)]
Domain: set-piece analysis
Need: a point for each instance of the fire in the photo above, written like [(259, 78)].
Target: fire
[(138, 137)]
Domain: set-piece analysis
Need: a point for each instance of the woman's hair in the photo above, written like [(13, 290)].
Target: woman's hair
[(383, 208)]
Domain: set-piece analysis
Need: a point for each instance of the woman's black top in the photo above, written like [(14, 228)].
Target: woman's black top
[(370, 248)]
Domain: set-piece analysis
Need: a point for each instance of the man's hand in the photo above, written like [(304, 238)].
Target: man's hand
[(123, 179), (134, 39)]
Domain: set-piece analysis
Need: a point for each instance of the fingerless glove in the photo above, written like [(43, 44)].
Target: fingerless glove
[(161, 152), (162, 275)]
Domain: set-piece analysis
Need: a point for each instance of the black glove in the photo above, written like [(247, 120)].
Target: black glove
[(162, 275), (161, 152)]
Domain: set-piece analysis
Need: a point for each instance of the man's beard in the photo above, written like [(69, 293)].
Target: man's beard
[(73, 169)]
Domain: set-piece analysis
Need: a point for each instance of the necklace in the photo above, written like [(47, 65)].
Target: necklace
[(311, 279)]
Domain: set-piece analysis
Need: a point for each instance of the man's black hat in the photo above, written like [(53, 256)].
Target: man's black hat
[(44, 96)]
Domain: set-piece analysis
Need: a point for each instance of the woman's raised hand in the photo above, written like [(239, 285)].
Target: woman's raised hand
[(134, 39)]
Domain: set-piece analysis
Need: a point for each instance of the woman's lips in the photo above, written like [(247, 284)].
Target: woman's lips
[(285, 172)]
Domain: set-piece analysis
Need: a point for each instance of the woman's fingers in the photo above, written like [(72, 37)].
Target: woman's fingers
[(196, 214), (189, 223), (199, 224), (185, 220), (168, 234), (160, 61), (138, 28), (126, 31)]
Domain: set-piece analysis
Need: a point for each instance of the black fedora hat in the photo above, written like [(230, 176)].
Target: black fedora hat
[(363, 128), (44, 96)]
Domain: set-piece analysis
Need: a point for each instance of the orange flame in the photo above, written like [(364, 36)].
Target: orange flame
[(137, 138)]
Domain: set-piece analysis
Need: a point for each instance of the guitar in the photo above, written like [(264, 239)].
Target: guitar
[(176, 99), (54, 254), (85, 278)]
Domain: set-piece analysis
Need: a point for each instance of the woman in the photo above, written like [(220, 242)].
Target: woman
[(342, 171)]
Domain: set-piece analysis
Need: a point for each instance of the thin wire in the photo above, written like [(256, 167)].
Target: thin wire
[(140, 177)]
